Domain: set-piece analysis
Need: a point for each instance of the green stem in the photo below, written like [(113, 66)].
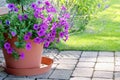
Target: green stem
[(22, 8)]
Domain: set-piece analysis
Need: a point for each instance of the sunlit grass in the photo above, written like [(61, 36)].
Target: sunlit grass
[(102, 33)]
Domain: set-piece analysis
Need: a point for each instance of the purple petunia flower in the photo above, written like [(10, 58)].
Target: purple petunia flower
[(41, 16), (26, 37), (41, 33), (25, 16), (10, 51), (67, 15), (22, 55), (54, 25), (53, 9), (36, 27), (20, 17), (38, 15), (16, 9), (66, 26), (28, 46), (7, 22), (43, 26), (13, 33), (11, 6), (7, 45), (53, 34), (47, 44), (38, 40), (49, 18), (47, 3), (63, 8), (48, 9), (38, 10), (61, 34), (39, 2), (35, 14), (33, 5), (29, 34)]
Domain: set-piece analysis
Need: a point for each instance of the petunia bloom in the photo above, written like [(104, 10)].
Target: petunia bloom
[(47, 44), (33, 5), (36, 27), (38, 40), (29, 34), (7, 45), (11, 6), (13, 33), (25, 16), (10, 51), (47, 3), (39, 2), (41, 33), (61, 34), (26, 37), (20, 17), (28, 46), (22, 55), (16, 9), (7, 22), (63, 8)]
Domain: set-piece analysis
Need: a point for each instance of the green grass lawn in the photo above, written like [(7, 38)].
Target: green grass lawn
[(102, 33)]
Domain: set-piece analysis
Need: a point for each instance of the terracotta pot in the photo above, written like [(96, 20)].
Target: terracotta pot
[(32, 57)]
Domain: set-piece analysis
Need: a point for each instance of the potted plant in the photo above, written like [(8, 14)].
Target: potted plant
[(25, 30)]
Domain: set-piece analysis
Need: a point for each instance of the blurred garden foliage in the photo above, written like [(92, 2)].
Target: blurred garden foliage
[(81, 11), (21, 2)]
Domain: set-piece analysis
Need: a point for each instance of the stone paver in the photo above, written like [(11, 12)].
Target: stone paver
[(88, 59), (117, 54), (66, 61), (106, 54), (105, 66), (117, 68), (65, 66), (3, 74), (43, 76), (117, 76), (89, 54), (83, 72), (17, 79), (101, 79), (13, 76), (103, 74), (79, 78), (117, 61), (85, 64), (44, 79), (61, 74), (105, 59), (69, 54)]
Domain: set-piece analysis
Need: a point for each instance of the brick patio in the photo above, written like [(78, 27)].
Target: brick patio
[(76, 65)]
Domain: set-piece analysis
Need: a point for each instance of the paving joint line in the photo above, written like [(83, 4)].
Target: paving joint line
[(76, 64)]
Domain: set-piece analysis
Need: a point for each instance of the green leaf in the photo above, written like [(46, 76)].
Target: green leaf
[(20, 44), (15, 55)]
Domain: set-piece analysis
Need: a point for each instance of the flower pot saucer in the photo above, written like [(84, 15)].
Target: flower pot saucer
[(47, 62)]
